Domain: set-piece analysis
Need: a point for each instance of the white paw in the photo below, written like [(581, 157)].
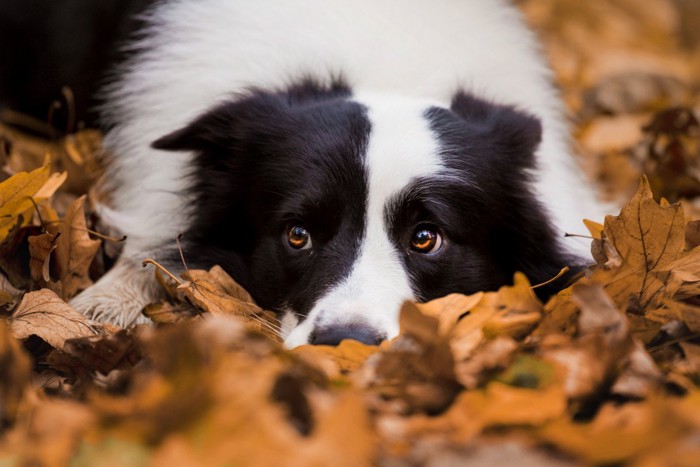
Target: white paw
[(120, 295)]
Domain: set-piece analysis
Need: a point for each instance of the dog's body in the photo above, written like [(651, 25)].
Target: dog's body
[(337, 157)]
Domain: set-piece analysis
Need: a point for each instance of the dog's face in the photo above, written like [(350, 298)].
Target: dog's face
[(333, 209)]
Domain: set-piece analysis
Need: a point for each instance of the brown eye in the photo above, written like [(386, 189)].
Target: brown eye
[(426, 239), (299, 238)]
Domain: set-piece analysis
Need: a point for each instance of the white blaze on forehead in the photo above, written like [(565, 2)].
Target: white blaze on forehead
[(401, 148)]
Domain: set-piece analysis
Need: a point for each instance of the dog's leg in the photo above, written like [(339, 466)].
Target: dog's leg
[(120, 295)]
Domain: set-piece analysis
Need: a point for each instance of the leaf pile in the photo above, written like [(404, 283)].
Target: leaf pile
[(606, 372)]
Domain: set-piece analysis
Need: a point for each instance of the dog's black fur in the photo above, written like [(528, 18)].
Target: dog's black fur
[(254, 180)]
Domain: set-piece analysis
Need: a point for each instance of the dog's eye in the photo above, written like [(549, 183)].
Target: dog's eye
[(299, 238), (426, 239)]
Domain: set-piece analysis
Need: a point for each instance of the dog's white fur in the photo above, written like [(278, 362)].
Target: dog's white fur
[(378, 284), (198, 52)]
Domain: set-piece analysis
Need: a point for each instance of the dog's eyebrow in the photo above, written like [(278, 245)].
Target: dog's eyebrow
[(437, 186)]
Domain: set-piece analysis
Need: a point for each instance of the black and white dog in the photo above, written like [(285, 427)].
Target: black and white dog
[(337, 157)]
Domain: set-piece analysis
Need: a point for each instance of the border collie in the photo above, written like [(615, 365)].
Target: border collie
[(337, 157)]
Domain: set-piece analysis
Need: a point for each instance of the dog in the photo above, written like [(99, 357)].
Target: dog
[(337, 158)]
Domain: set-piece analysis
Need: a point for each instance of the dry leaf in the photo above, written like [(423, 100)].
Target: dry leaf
[(44, 314), (647, 237), (617, 433), (40, 249), (74, 252), (349, 355), (15, 375), (214, 291), (15, 198), (9, 294)]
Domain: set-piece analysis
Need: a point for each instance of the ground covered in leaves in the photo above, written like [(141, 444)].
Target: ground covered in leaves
[(606, 372)]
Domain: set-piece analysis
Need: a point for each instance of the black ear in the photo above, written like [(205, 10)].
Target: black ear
[(250, 113), (512, 131), (211, 129)]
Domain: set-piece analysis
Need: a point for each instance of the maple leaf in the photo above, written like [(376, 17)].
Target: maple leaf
[(647, 237)]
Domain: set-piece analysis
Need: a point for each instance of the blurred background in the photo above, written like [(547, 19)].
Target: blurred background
[(629, 73)]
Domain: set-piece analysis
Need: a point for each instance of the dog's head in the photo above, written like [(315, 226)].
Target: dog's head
[(334, 208)]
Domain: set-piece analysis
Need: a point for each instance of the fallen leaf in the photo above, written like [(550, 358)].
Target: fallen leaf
[(692, 234), (15, 375), (74, 252), (502, 405), (349, 355), (617, 433), (215, 292), (9, 294), (44, 314), (647, 237), (40, 249), (596, 355), (15, 198)]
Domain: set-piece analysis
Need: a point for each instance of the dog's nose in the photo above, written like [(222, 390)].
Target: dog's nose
[(332, 335)]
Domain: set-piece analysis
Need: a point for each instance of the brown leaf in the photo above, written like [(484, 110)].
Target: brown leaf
[(349, 355), (502, 405), (417, 367), (74, 252), (640, 377), (166, 312), (51, 435), (15, 375), (9, 294), (449, 309), (214, 291), (40, 249), (15, 198), (685, 274), (617, 433), (511, 311), (648, 237), (692, 234), (44, 314), (597, 354), (490, 357)]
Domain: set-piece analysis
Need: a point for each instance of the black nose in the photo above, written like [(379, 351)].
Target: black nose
[(332, 335)]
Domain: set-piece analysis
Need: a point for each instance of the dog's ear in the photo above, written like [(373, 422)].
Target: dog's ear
[(232, 121), (501, 142), (514, 133), (215, 128)]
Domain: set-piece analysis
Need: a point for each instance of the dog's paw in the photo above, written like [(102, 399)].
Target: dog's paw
[(120, 295)]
